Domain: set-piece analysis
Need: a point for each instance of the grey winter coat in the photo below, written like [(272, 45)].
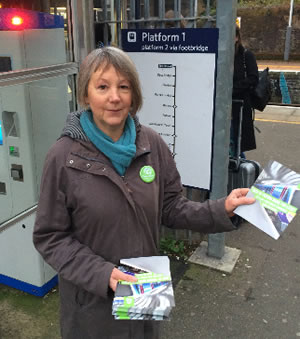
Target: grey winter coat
[(89, 217)]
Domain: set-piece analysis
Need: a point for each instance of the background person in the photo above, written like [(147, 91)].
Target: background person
[(102, 33), (108, 184), (173, 24), (245, 78)]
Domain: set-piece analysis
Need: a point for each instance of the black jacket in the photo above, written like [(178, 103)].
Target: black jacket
[(245, 77)]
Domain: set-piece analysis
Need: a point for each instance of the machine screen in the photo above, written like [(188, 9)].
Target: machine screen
[(5, 64), (1, 137)]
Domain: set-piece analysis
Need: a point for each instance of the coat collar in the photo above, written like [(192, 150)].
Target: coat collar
[(74, 131)]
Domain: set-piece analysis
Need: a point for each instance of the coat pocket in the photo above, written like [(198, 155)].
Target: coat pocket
[(83, 298)]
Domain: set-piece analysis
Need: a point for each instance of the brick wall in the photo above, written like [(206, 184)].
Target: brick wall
[(264, 29)]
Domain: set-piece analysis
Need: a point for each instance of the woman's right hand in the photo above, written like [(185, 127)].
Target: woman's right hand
[(117, 275), (236, 198)]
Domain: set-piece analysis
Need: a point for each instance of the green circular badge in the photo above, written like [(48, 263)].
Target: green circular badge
[(147, 174)]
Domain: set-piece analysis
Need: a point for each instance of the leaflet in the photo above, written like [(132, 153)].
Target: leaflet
[(277, 194), (151, 297)]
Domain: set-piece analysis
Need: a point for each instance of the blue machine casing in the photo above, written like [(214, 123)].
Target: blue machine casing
[(30, 19), (38, 291), (1, 136)]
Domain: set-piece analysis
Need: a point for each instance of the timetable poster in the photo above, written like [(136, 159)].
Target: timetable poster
[(177, 69)]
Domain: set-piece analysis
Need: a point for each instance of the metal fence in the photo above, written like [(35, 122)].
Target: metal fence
[(111, 16)]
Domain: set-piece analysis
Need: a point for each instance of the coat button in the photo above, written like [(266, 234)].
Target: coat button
[(71, 162), (88, 165), (103, 169)]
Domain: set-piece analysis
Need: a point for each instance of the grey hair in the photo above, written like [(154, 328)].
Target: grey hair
[(105, 57)]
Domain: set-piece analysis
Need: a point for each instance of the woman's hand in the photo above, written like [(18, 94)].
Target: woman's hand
[(236, 198), (117, 275)]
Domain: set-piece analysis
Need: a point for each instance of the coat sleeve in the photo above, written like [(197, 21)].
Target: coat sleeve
[(53, 237), (245, 84), (179, 212)]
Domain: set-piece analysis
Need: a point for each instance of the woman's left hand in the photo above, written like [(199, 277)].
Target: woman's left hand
[(236, 198), (117, 275)]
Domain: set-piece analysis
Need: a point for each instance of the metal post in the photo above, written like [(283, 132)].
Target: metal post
[(118, 10), (226, 16), (113, 27), (177, 12), (89, 30), (189, 195), (161, 12), (132, 12), (83, 34), (288, 34), (207, 11), (137, 12), (105, 31), (193, 12), (147, 13)]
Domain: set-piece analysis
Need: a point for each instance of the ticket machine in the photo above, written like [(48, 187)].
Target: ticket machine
[(31, 118)]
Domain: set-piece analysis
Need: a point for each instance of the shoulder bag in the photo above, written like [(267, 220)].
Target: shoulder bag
[(261, 94)]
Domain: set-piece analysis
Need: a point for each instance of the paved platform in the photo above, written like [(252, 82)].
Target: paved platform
[(287, 114), (260, 299)]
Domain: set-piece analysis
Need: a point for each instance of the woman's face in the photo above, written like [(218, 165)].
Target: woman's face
[(110, 99)]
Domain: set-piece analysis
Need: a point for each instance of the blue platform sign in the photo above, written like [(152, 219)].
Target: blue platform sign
[(189, 40), (177, 69)]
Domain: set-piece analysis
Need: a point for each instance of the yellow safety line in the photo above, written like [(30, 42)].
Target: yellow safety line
[(280, 69), (278, 65), (283, 122)]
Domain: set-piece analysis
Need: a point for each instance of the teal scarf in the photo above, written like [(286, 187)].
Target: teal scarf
[(120, 152)]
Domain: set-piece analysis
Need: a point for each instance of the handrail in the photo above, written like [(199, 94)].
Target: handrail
[(33, 74), (17, 218)]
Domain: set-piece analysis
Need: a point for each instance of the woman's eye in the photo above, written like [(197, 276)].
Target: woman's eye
[(102, 87), (124, 86)]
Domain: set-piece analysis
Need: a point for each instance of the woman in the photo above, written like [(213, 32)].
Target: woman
[(245, 78), (108, 184)]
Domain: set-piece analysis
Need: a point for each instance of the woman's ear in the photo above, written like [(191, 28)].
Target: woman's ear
[(86, 100)]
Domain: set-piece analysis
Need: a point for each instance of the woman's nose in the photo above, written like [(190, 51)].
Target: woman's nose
[(114, 95)]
